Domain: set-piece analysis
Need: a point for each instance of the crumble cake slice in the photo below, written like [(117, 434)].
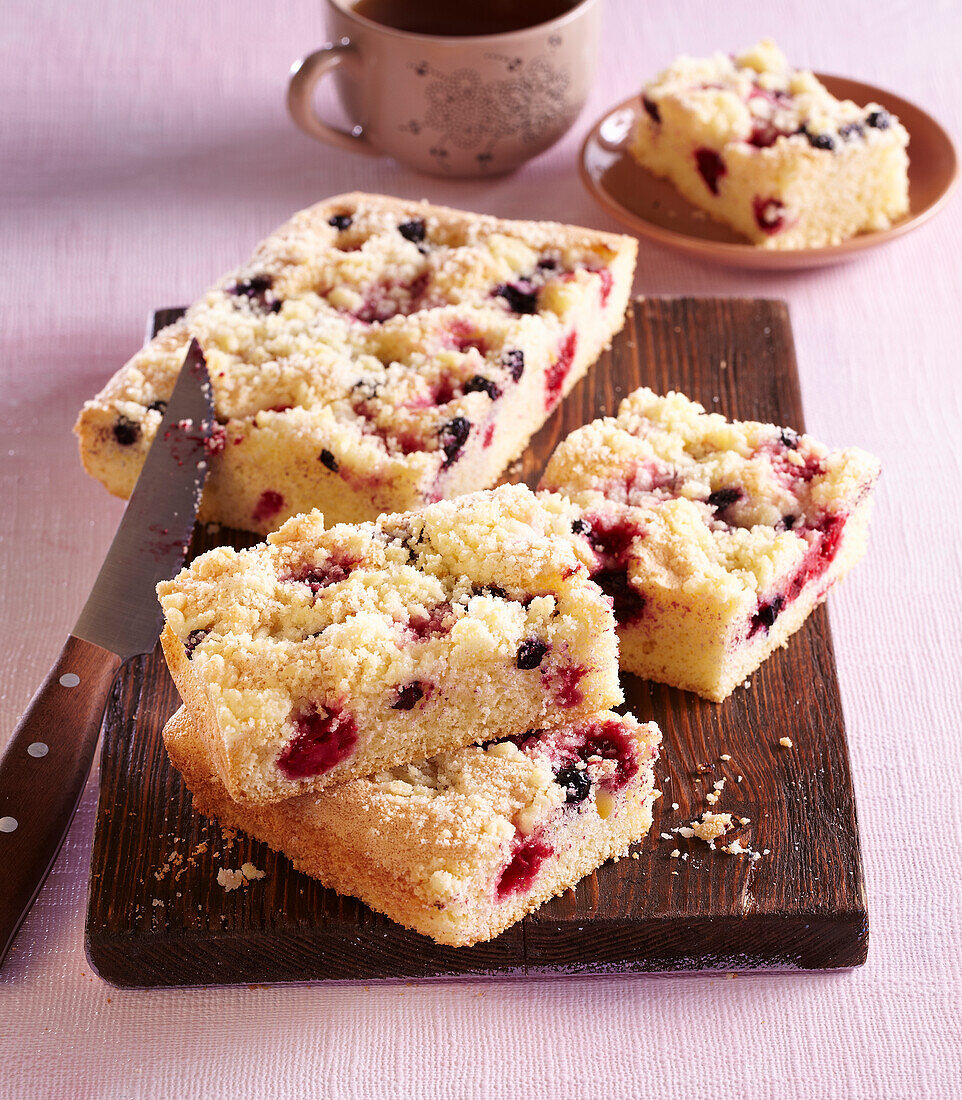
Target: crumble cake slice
[(768, 149), (460, 846), (374, 355), (713, 538), (326, 654)]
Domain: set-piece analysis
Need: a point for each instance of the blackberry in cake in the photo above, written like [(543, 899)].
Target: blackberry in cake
[(462, 845), (373, 356), (328, 653), (768, 150), (714, 539)]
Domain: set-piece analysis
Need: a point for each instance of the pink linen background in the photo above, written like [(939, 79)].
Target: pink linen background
[(144, 149)]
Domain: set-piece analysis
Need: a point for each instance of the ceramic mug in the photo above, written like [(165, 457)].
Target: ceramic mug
[(451, 106)]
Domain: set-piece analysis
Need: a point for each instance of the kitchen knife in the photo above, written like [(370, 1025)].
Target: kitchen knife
[(45, 766)]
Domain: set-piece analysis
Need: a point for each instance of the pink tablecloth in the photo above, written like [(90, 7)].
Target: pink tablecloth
[(145, 149)]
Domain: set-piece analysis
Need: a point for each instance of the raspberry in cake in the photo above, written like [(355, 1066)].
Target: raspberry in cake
[(767, 149), (329, 653), (462, 845), (373, 356), (714, 539)]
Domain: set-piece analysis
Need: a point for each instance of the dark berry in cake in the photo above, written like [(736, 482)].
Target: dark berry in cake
[(193, 640), (453, 435), (412, 231), (408, 697), (879, 120), (256, 290), (576, 782), (819, 141), (764, 618), (627, 602), (126, 432), (547, 263), (711, 167), (520, 296), (580, 527), (851, 130), (531, 653), (513, 361), (788, 522), (789, 438), (491, 590), (328, 460), (340, 221), (323, 739), (651, 109), (158, 406), (720, 499), (478, 384)]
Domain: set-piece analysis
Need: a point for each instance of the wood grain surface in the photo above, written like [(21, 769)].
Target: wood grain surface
[(157, 916)]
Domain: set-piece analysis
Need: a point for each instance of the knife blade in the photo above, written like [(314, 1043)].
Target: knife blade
[(45, 765)]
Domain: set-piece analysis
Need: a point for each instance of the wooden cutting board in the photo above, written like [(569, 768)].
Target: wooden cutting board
[(157, 916)]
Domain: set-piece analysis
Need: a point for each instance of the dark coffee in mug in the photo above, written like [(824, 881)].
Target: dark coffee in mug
[(462, 18)]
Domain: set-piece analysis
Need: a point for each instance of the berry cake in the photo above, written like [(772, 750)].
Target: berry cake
[(767, 149), (327, 654), (460, 846), (713, 538), (373, 356)]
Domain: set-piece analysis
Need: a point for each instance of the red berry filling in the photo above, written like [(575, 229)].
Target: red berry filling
[(216, 441), (317, 577), (436, 622), (523, 866), (565, 683), (611, 540), (769, 215), (268, 505), (324, 738), (388, 299), (711, 167), (815, 563), (610, 742), (559, 369)]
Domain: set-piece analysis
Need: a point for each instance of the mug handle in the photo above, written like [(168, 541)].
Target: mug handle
[(305, 75)]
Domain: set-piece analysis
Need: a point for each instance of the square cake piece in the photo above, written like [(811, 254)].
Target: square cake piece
[(330, 653), (714, 538), (767, 149), (460, 846), (373, 356)]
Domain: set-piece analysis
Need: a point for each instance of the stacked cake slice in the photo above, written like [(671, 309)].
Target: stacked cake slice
[(373, 355), (343, 688)]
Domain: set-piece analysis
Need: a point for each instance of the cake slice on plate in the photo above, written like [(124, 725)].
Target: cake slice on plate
[(460, 846), (374, 355), (713, 538), (327, 654), (768, 149)]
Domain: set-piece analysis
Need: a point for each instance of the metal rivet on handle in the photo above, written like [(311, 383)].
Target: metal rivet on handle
[(8, 824), (69, 680), (38, 749)]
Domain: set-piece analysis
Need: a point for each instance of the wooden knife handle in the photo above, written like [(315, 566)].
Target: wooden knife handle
[(43, 771)]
